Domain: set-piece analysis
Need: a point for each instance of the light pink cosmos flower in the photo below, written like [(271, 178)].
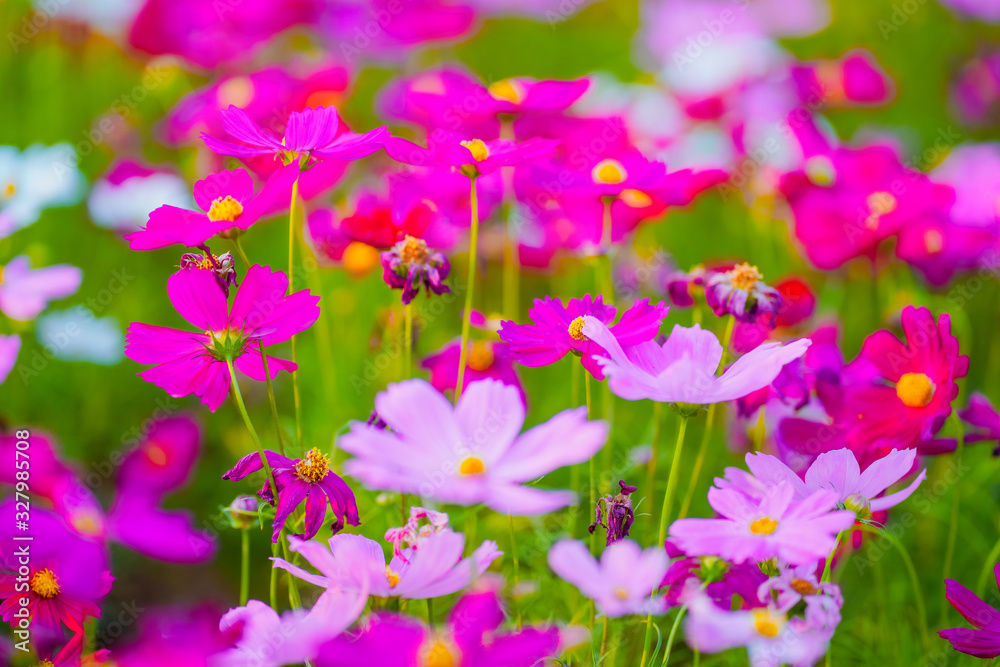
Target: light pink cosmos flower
[(25, 292), (470, 453), (682, 370), (621, 582), (269, 640), (837, 471), (195, 363), (796, 584), (770, 638), (9, 348), (430, 570), (758, 529)]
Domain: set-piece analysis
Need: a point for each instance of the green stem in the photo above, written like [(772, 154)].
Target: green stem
[(253, 433), (827, 567), (408, 341), (245, 568), (953, 524), (727, 337), (270, 399), (291, 289), (511, 269), (274, 578), (592, 463), (470, 285), (650, 491), (988, 565), (513, 553), (430, 612), (706, 436), (240, 252), (606, 236)]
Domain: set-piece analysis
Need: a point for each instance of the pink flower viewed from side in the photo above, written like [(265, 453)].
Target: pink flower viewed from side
[(25, 292), (557, 330), (195, 363), (473, 157), (471, 453), (621, 582), (983, 640), (758, 529), (683, 369), (980, 415), (307, 480), (310, 133), (228, 206)]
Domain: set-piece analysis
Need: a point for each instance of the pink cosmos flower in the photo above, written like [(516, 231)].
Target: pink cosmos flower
[(174, 636), (431, 567), (683, 369), (125, 196), (310, 133), (793, 585), (757, 529), (228, 205), (982, 415), (472, 157), (307, 480), (797, 305), (25, 292), (469, 638), (983, 640), (269, 640), (470, 453), (10, 346), (68, 576), (854, 79), (557, 330), (195, 363), (411, 23), (621, 582)]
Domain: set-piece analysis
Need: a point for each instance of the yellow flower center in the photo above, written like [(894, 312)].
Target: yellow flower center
[(481, 356), (608, 172), (933, 241), (766, 623), (359, 258), (820, 170), (46, 663), (803, 587), (478, 149), (87, 523), (393, 577), (237, 91), (414, 250), (635, 198), (915, 390), (45, 584), (621, 594), (438, 654), (9, 190), (879, 203), (472, 466), (507, 90), (224, 208), (745, 276), (156, 454), (576, 329), (313, 467), (764, 526)]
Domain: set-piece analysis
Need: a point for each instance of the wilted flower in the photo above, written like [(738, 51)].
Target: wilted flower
[(223, 266), (410, 265), (619, 510), (741, 292)]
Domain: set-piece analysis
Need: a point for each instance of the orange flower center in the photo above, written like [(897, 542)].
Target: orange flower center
[(45, 584), (803, 587), (764, 526), (481, 356), (745, 276), (915, 390), (224, 208), (472, 466), (635, 198), (438, 654), (313, 467), (608, 172), (414, 250), (766, 623), (359, 258), (393, 577)]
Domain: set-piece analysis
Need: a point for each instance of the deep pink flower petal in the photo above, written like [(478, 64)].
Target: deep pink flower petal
[(198, 298), (235, 183)]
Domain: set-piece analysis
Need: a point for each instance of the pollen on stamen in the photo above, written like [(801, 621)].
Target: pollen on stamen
[(576, 329), (481, 356), (313, 467), (413, 250), (478, 149), (803, 587), (608, 172), (744, 276), (45, 584), (763, 526), (225, 208), (915, 390), (393, 577)]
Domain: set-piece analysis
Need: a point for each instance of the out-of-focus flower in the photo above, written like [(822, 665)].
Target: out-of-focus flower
[(469, 638), (68, 575), (683, 369), (77, 334), (125, 196), (307, 480), (798, 302), (973, 170), (983, 640), (195, 363), (228, 206), (558, 329), (986, 10), (619, 512), (682, 287), (853, 79), (975, 92), (792, 585), (440, 452), (35, 179), (174, 636), (743, 294), (10, 346), (472, 157), (621, 582), (410, 265), (431, 567), (982, 415), (25, 292), (243, 512)]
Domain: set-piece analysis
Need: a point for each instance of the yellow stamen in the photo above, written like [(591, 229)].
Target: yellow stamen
[(879, 203), (313, 467), (413, 250), (635, 198), (608, 172), (359, 258), (933, 241), (481, 356), (803, 587), (156, 454), (915, 390), (225, 208), (472, 466), (621, 594), (764, 526), (87, 523), (576, 329), (766, 623), (45, 584), (393, 577), (478, 149), (9, 190), (438, 654), (745, 276), (508, 90)]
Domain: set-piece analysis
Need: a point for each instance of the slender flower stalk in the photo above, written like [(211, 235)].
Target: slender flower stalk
[(250, 428), (291, 288), (242, 253), (293, 587), (270, 398), (513, 553), (655, 442), (953, 522), (917, 591), (699, 462), (469, 287), (274, 578), (245, 567), (408, 341)]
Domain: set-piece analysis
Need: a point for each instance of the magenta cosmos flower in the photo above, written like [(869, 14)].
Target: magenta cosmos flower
[(410, 265), (25, 292), (430, 568), (621, 583), (469, 638), (558, 329), (758, 529), (983, 640), (68, 575), (472, 157), (682, 370), (470, 453), (195, 363), (308, 480), (310, 133), (743, 294), (982, 415), (228, 206)]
